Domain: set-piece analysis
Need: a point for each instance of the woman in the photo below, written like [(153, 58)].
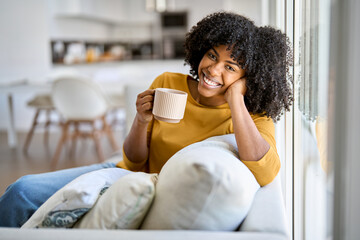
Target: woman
[(238, 84)]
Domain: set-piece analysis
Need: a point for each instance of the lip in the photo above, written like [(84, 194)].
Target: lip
[(207, 84)]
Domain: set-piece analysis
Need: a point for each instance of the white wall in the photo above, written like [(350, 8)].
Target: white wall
[(24, 50), (24, 46)]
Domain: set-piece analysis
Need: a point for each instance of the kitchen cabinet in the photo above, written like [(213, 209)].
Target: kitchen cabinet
[(100, 24), (109, 12)]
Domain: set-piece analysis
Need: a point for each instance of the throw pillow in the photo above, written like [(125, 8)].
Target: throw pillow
[(71, 202), (123, 205), (203, 187)]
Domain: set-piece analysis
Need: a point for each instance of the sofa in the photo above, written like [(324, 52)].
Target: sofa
[(264, 219)]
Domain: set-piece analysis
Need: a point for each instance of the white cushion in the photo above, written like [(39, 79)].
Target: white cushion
[(203, 187), (72, 201), (123, 205)]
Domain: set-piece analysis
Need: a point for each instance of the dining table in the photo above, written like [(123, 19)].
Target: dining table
[(10, 90)]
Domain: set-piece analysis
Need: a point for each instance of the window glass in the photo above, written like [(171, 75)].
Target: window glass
[(312, 171)]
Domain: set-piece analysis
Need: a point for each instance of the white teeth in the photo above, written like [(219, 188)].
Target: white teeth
[(212, 83)]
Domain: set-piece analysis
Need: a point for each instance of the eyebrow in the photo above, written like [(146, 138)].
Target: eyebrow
[(230, 62)]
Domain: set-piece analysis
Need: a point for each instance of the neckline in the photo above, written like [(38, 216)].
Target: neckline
[(224, 105)]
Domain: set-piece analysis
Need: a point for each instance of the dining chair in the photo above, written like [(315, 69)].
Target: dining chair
[(80, 102), (43, 104)]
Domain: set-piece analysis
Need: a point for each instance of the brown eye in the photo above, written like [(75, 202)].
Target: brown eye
[(211, 56), (230, 68)]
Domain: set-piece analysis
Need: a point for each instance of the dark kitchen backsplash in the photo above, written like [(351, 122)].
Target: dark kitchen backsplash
[(74, 52)]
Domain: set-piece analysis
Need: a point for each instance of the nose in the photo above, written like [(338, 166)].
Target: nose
[(214, 69)]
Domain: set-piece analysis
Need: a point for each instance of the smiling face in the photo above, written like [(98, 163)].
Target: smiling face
[(217, 71)]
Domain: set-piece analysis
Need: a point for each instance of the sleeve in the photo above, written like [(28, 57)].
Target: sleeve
[(158, 82), (265, 169)]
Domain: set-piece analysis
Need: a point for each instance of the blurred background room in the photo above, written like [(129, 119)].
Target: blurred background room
[(120, 47)]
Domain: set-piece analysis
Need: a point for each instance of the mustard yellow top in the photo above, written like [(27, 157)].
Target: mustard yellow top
[(199, 123)]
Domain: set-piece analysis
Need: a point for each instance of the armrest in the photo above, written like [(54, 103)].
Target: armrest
[(267, 213)]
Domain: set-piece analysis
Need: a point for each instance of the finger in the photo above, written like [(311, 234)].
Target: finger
[(147, 98), (146, 93), (143, 97), (144, 100), (147, 106)]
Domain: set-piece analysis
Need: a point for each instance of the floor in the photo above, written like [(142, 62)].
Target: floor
[(14, 163)]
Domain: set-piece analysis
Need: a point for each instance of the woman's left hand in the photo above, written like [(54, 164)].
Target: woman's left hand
[(236, 90)]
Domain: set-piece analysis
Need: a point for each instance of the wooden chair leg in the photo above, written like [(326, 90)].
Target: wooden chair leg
[(47, 124), (74, 138), (110, 135), (96, 137), (31, 132), (62, 140)]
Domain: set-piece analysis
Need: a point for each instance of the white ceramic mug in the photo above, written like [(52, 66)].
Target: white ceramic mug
[(169, 105)]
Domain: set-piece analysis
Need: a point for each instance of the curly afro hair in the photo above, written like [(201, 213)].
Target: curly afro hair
[(269, 82), (263, 52)]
